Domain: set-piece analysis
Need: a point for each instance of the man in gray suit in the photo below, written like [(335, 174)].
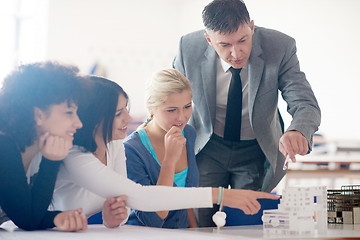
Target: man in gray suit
[(264, 61)]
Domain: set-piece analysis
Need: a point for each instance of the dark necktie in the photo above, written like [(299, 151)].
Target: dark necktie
[(234, 107)]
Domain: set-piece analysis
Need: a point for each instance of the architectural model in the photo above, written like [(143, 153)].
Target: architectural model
[(301, 211), (344, 205)]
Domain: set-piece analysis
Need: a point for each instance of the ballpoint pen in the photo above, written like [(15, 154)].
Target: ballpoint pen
[(286, 163)]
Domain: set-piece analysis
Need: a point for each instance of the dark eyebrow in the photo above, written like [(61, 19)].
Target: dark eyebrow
[(119, 110), (243, 37)]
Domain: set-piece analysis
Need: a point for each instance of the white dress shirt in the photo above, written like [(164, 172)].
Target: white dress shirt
[(223, 79)]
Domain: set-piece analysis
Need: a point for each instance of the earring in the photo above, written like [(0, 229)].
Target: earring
[(149, 119)]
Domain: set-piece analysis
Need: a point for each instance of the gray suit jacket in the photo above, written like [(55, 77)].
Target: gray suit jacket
[(273, 66)]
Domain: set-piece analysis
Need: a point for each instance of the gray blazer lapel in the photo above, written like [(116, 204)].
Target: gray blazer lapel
[(256, 67), (208, 72)]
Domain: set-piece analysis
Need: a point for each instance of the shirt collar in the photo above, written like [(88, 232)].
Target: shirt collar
[(225, 66)]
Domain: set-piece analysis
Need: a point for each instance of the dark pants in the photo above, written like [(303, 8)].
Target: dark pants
[(225, 163)]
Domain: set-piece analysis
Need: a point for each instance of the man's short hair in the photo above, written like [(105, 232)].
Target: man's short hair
[(225, 16)]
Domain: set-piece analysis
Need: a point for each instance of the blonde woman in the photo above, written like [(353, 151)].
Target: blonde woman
[(161, 151)]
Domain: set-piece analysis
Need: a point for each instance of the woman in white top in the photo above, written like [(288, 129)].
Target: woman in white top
[(95, 169)]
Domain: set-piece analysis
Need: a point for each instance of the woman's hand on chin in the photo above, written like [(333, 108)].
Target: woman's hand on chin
[(53, 147)]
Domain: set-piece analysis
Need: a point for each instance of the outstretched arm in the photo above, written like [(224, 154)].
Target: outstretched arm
[(87, 171), (83, 167), (246, 200)]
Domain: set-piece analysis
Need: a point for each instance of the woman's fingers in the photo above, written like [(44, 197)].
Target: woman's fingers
[(245, 200), (70, 221), (54, 147)]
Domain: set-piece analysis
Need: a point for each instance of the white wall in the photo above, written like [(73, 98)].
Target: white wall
[(23, 31), (133, 39)]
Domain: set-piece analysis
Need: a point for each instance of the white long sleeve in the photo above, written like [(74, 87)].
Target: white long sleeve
[(85, 171)]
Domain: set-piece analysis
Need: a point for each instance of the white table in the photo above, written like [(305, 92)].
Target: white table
[(99, 232), (307, 171), (341, 157)]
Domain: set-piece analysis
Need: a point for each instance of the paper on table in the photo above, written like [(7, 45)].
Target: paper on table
[(8, 226)]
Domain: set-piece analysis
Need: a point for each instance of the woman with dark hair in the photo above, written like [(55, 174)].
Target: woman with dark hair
[(90, 175), (105, 115), (38, 118), (99, 113)]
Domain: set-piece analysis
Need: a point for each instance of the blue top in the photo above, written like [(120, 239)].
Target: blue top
[(143, 168), (180, 177)]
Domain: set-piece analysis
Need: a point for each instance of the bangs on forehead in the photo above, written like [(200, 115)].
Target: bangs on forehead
[(71, 104)]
